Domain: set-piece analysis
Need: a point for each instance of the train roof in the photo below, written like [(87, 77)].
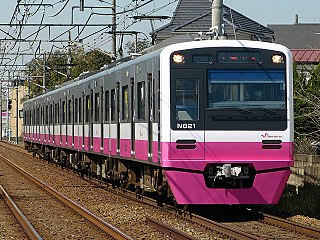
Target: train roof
[(77, 82), (170, 48)]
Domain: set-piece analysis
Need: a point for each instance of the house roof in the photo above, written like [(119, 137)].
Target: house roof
[(297, 36), (306, 55), (193, 16)]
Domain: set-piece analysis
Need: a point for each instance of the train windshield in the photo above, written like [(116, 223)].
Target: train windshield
[(246, 89)]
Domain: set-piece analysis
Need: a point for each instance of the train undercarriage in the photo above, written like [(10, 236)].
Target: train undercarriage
[(143, 178)]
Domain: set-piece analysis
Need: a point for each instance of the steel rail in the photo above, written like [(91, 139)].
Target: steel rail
[(218, 227), (295, 226), (224, 229), (19, 216), (100, 223), (169, 231)]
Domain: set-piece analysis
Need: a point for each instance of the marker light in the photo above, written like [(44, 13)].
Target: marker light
[(178, 58), (277, 59)]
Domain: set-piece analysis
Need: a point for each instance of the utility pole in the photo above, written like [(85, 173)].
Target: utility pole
[(44, 73), (217, 19), (114, 28), (17, 109), (8, 113), (81, 5), (29, 82), (1, 94), (69, 57)]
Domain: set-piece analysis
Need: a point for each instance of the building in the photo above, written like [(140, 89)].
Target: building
[(303, 39), (194, 16), (17, 95)]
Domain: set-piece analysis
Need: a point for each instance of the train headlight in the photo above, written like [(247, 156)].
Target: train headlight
[(277, 59), (178, 58)]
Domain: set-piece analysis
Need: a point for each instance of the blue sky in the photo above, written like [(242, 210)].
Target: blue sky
[(261, 11), (264, 12), (278, 11)]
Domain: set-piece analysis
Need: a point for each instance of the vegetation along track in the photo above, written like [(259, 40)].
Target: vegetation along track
[(258, 230), (48, 212)]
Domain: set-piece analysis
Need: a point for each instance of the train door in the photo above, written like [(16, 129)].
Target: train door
[(88, 127), (91, 121), (96, 120), (75, 123), (187, 117), (71, 118), (82, 118), (47, 124), (132, 117), (52, 122), (118, 116), (101, 119), (150, 115)]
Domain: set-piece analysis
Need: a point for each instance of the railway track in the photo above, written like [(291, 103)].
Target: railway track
[(8, 223), (297, 227), (222, 229), (19, 216), (101, 226)]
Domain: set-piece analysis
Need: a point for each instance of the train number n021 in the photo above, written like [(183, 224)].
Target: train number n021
[(186, 126)]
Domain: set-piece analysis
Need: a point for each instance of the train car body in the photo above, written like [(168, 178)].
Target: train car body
[(207, 122)]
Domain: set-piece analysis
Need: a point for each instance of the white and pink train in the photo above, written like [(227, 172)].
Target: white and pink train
[(204, 122)]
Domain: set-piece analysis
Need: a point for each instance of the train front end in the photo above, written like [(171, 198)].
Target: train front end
[(226, 121)]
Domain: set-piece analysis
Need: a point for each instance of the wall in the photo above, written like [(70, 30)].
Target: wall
[(302, 194)]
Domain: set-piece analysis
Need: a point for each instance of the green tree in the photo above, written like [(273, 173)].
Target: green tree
[(306, 109), (143, 43), (57, 67)]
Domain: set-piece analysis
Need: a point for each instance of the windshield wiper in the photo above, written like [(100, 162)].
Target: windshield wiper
[(268, 110), (245, 111)]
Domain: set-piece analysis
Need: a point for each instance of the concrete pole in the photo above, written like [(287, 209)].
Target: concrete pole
[(1, 94), (217, 17), (8, 113), (29, 83), (44, 73), (17, 109), (114, 29), (69, 57)]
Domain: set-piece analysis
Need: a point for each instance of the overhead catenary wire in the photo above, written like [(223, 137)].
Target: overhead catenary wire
[(30, 12)]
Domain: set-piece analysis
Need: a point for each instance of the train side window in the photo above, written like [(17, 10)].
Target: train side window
[(41, 115), (50, 114), (87, 108), (187, 99), (47, 115), (38, 116), (34, 116), (69, 111), (125, 103), (63, 111), (97, 107), (56, 113), (141, 101), (75, 112), (113, 105), (107, 109), (80, 110)]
